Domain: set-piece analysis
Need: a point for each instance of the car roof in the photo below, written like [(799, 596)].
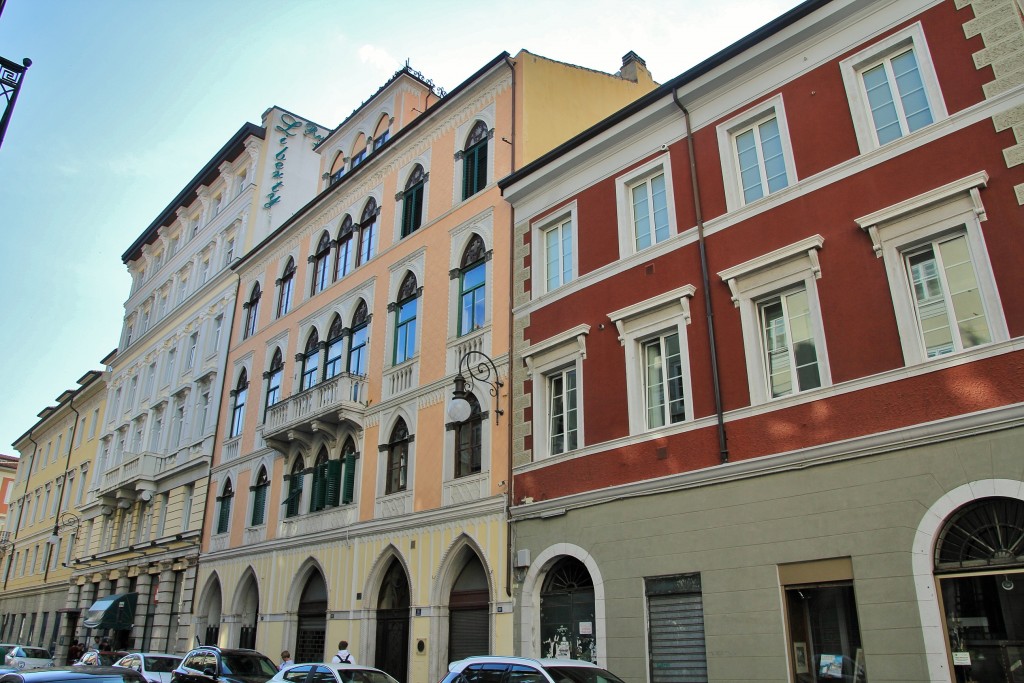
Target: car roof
[(499, 659), (72, 672)]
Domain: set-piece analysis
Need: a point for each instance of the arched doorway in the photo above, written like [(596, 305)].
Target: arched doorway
[(249, 608), (567, 612), (469, 619), (212, 612), (392, 652), (312, 627), (979, 566)]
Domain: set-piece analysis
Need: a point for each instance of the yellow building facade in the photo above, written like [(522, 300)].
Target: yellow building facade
[(350, 498), (43, 526)]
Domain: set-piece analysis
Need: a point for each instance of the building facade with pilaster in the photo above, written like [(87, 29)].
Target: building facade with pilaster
[(142, 519), (769, 362), (42, 537), (345, 501)]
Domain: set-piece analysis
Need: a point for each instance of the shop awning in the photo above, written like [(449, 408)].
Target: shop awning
[(115, 612)]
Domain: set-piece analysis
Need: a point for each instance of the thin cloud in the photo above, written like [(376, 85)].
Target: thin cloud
[(378, 57)]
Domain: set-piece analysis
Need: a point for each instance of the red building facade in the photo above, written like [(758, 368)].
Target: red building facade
[(770, 333)]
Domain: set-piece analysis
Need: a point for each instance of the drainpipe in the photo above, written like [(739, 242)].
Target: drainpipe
[(21, 508), (723, 449), (60, 496), (511, 283)]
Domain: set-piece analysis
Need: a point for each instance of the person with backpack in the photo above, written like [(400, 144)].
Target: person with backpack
[(343, 656)]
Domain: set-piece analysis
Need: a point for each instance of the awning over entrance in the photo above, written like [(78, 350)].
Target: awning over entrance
[(116, 612)]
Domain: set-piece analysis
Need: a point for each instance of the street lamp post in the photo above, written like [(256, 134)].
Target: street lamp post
[(478, 366)]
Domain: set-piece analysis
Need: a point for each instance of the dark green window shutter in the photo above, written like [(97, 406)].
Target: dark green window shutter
[(294, 494), (225, 515), (333, 483), (319, 497), (259, 503), (480, 167), (349, 487)]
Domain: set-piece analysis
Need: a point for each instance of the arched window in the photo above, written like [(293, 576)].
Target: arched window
[(345, 259), (224, 508), (335, 348), (368, 232), (348, 458), (405, 320), (238, 406), (398, 459), (567, 602), (468, 440), (474, 161), (412, 201), (338, 167), (472, 286), (259, 498), (274, 381), (311, 361), (252, 312), (285, 286), (291, 502), (382, 132), (358, 151), (320, 263), (358, 345)]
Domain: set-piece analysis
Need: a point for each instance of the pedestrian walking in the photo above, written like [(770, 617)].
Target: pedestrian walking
[(343, 656), (286, 659)]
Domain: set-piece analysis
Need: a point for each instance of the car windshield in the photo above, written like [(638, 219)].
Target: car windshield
[(35, 653), (161, 664), (247, 665), (581, 674), (364, 676)]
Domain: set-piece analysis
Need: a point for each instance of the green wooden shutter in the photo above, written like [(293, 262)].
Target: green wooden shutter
[(259, 502), (225, 515), (467, 174), (349, 486), (319, 493), (407, 214), (294, 494), (480, 170), (333, 483)]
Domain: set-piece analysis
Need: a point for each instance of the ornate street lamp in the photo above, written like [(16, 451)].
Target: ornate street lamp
[(481, 369), (12, 77)]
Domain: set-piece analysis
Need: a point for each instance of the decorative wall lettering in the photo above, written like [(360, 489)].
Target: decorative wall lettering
[(287, 127)]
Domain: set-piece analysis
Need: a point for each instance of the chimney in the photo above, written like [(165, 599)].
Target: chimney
[(632, 66)]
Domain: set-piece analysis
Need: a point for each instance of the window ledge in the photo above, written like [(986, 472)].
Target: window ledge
[(806, 247)]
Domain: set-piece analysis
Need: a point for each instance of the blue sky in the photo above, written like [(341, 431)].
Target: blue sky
[(127, 99)]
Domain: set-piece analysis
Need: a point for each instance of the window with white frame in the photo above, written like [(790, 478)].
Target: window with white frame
[(653, 334), (892, 88), (646, 211), (783, 338), (944, 293), (757, 158), (555, 366), (554, 242)]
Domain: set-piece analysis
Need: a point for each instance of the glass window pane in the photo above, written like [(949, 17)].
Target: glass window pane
[(774, 161), (883, 109), (750, 171), (911, 89), (641, 217), (660, 208)]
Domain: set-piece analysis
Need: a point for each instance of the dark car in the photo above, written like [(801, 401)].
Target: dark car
[(74, 674), (208, 663)]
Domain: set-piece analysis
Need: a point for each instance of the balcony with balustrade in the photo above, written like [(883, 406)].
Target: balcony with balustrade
[(141, 472), (324, 407)]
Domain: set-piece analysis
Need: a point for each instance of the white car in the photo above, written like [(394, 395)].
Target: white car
[(524, 670), (25, 657), (326, 673), (156, 667)]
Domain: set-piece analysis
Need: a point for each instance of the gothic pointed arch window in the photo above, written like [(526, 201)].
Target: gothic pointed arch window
[(382, 132), (359, 340), (311, 361), (358, 151), (412, 201), (286, 286), (473, 286), (224, 507), (474, 161), (252, 312), (348, 458), (406, 310), (345, 259), (274, 375), (292, 500), (396, 478), (337, 167), (468, 441), (368, 232), (259, 498), (318, 495), (335, 348), (321, 260), (238, 398)]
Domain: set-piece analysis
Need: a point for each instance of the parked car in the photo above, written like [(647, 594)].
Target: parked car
[(523, 670), (155, 667), (326, 673), (4, 649), (208, 663), (25, 657), (100, 657), (74, 674)]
